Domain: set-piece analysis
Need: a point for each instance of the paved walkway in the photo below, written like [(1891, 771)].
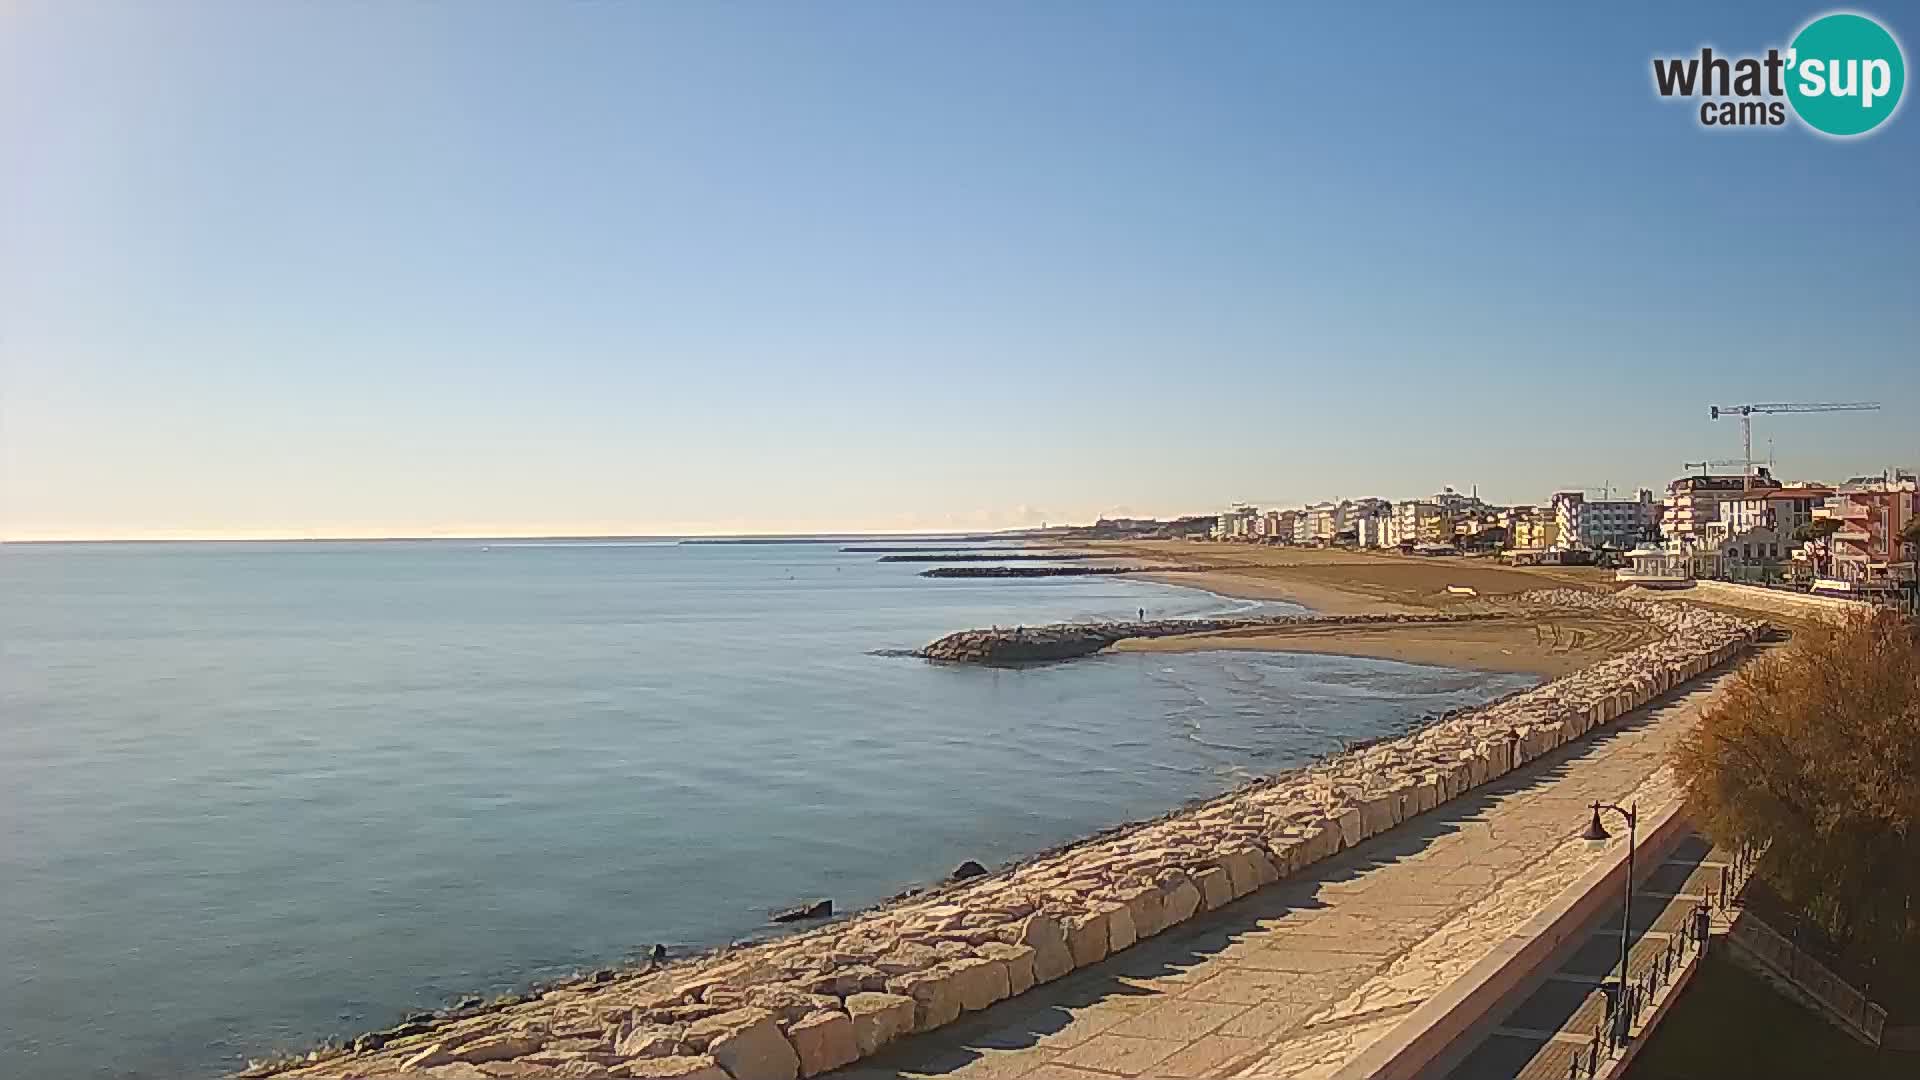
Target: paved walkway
[(1556, 1022), (1297, 978)]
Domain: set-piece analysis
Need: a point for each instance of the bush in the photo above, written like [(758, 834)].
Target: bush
[(1816, 748)]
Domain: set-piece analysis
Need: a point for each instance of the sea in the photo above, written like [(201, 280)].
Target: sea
[(257, 795)]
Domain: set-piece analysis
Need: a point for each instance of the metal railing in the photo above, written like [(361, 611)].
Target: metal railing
[(1812, 977), (1626, 1004)]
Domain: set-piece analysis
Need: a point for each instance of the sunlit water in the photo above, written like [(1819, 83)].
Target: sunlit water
[(254, 795)]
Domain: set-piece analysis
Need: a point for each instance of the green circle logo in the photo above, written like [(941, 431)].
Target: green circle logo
[(1845, 74)]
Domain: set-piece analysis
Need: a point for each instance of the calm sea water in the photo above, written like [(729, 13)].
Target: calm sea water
[(253, 795)]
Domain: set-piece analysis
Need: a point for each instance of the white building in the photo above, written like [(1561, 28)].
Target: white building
[(1236, 524), (1614, 523)]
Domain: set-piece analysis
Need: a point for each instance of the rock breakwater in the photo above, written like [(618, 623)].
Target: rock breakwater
[(806, 1004), (1057, 571), (1064, 641), (990, 556)]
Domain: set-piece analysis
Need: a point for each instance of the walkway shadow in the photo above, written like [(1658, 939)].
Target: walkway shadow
[(1063, 1013)]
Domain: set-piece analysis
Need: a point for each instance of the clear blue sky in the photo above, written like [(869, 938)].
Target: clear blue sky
[(412, 268)]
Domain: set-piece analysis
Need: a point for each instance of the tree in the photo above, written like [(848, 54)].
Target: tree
[(1911, 534), (1817, 529), (1816, 749)]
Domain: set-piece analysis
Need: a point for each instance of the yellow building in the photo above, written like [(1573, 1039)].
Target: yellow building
[(1535, 532)]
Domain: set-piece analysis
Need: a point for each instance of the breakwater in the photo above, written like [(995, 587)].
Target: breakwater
[(1056, 571), (995, 556), (819, 1000), (1064, 641)]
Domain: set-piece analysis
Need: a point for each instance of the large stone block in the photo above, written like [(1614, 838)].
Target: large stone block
[(936, 1000), (1051, 958), (1179, 899), (677, 1067), (748, 1044), (878, 1019), (1087, 936), (1149, 915), (823, 1041), (1121, 933), (489, 1048), (979, 982), (1019, 962), (651, 1041), (1216, 887), (1242, 871), (1351, 829)]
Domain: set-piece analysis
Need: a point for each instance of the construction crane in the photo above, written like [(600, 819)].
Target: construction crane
[(1745, 413)]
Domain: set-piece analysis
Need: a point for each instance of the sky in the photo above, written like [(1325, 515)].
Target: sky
[(363, 269)]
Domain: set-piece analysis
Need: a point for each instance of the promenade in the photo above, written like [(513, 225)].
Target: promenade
[(1296, 979)]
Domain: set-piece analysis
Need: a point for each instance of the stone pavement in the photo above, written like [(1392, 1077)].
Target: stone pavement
[(1295, 979)]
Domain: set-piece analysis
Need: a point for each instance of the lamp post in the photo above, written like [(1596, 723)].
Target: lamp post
[(1597, 834)]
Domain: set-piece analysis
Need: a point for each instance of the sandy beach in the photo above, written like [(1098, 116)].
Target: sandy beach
[(1336, 582)]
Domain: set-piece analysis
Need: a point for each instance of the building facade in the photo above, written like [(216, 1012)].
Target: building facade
[(1870, 548), (1612, 523)]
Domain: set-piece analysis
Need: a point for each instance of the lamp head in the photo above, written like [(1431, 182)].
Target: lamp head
[(1596, 833)]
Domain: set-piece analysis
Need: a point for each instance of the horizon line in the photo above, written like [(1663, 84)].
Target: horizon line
[(420, 539)]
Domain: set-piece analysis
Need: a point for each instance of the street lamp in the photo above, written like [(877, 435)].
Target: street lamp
[(1597, 834)]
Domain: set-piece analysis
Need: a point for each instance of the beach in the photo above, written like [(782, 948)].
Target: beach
[(1548, 642)]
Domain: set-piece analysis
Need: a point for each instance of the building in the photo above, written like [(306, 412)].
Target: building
[(1415, 521), (1754, 553), (1869, 548), (1693, 502), (1277, 526), (1533, 528), (1454, 506), (1367, 520), (1612, 523), (1785, 508), (1320, 523), (1236, 524)]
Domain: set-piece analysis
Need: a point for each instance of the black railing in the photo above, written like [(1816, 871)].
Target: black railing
[(1626, 1003)]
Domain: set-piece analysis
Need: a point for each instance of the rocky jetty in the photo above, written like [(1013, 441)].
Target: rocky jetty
[(803, 1005), (1057, 571), (997, 556), (1064, 641)]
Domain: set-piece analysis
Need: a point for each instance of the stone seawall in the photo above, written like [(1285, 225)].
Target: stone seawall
[(1789, 605), (1064, 641), (804, 1005)]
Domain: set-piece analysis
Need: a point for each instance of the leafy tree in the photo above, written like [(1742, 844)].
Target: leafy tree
[(1817, 529), (1816, 748), (1911, 534)]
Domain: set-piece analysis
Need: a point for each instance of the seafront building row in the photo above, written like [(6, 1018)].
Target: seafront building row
[(1860, 532)]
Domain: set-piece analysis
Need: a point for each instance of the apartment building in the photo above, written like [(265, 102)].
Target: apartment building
[(1785, 508), (1415, 521), (1869, 548), (1613, 523), (1693, 502), (1533, 528)]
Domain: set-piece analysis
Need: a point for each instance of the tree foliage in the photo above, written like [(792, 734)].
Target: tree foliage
[(1816, 748), (1817, 529)]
